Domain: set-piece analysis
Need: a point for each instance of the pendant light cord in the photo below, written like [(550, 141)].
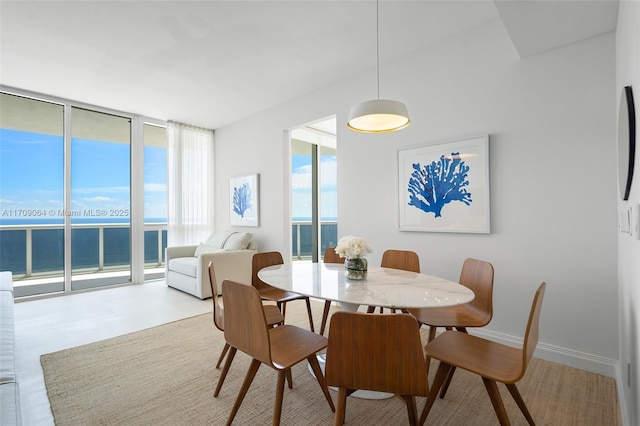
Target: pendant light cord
[(378, 47)]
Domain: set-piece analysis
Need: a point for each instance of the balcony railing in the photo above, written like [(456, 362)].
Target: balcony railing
[(100, 253), (37, 251), (301, 238)]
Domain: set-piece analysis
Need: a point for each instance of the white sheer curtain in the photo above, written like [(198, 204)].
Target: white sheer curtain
[(189, 184)]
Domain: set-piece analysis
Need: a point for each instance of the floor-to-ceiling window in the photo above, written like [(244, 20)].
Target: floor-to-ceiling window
[(313, 189), (32, 192), (66, 192), (100, 207), (155, 199)]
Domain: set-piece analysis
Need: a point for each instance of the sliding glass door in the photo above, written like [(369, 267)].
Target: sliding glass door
[(100, 212), (155, 200), (32, 194), (313, 190), (75, 213)]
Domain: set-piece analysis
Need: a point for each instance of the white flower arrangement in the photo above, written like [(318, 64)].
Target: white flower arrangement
[(351, 247)]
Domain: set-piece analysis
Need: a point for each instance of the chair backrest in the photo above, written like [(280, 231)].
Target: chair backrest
[(380, 352), (401, 259), (533, 328), (218, 311), (330, 256), (262, 260), (478, 276), (245, 322)]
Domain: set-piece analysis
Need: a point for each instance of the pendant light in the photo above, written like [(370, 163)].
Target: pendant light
[(379, 115)]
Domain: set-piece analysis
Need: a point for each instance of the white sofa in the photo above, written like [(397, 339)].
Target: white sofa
[(9, 391), (231, 254)]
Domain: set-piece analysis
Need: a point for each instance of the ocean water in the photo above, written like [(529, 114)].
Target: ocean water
[(47, 253), (79, 220), (47, 245)]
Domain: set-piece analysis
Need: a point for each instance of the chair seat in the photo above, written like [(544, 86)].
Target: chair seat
[(271, 312), (284, 353), (273, 315), (272, 293), (465, 315), (480, 356)]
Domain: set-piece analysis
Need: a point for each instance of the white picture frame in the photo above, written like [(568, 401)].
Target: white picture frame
[(244, 200), (444, 187)]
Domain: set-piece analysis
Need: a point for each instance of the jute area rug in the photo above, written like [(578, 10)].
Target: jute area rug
[(166, 376)]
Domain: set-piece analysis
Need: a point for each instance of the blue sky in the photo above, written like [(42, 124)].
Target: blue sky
[(31, 177), (301, 186)]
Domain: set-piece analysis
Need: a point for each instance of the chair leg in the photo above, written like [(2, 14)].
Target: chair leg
[(513, 390), (412, 411), (427, 358), (342, 407), (371, 309), (443, 391), (447, 382), (225, 370), (325, 316), (315, 366), (289, 379), (310, 314), (277, 406), (496, 400), (224, 352), (441, 374), (251, 373)]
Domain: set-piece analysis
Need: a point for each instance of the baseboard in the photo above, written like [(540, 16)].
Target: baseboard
[(576, 359)]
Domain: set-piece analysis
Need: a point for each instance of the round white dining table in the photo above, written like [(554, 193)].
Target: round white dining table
[(387, 287)]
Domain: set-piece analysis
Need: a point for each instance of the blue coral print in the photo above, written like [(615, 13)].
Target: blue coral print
[(439, 183), (242, 199)]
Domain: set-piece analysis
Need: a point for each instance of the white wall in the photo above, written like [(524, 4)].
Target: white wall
[(552, 125), (628, 73)]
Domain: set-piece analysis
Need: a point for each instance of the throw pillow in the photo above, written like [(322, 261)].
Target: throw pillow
[(205, 248), (238, 241), (217, 239)]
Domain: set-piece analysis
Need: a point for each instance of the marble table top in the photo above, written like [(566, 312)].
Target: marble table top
[(382, 287)]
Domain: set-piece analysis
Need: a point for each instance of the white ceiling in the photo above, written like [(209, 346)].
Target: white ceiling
[(211, 63)]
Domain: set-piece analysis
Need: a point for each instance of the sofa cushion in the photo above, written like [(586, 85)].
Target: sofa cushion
[(6, 281), (217, 239), (10, 404), (204, 248), (184, 265), (7, 340), (238, 241)]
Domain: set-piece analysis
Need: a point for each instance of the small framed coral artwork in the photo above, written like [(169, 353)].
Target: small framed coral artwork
[(444, 187), (244, 200)]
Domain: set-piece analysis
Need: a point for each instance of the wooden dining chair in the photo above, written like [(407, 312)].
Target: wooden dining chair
[(401, 259), (272, 315), (476, 275), (280, 347), (330, 256), (375, 352), (493, 361), (268, 292), (398, 259)]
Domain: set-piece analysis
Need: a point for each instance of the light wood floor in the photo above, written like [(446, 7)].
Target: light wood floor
[(53, 324)]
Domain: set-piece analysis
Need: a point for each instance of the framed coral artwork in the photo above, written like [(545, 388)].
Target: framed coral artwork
[(244, 200), (444, 187)]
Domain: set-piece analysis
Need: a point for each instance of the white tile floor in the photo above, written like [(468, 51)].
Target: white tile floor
[(53, 324)]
